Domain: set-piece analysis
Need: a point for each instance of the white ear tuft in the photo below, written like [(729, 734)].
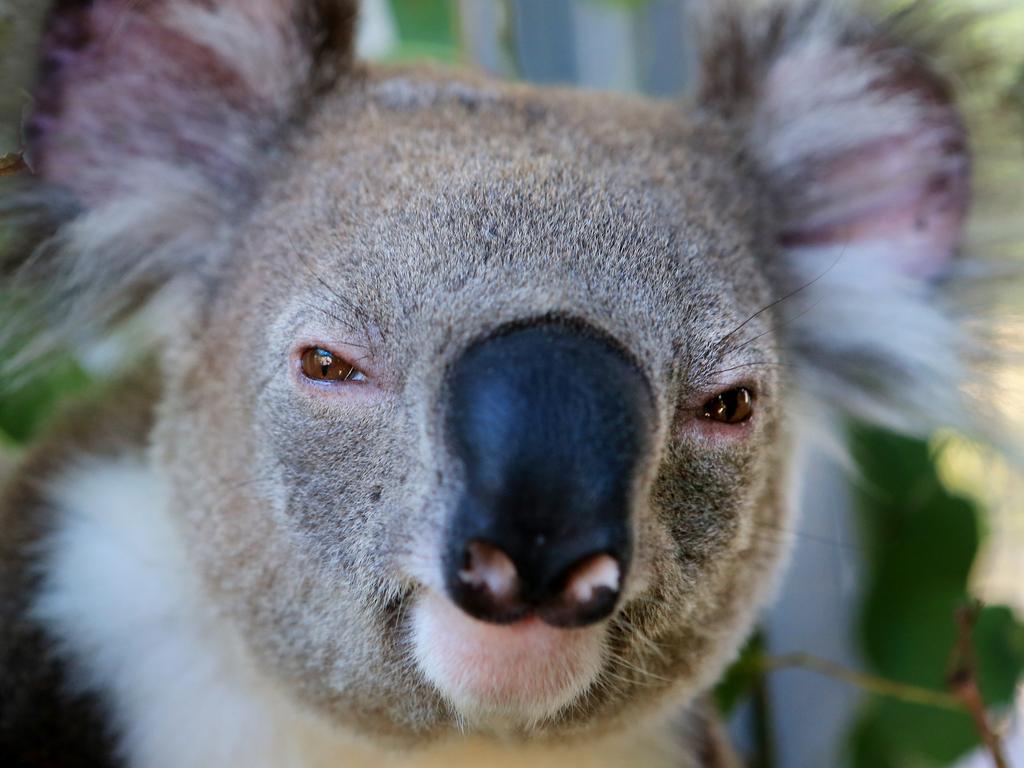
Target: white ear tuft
[(864, 151)]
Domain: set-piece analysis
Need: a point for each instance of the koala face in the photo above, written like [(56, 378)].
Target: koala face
[(603, 257), (480, 401)]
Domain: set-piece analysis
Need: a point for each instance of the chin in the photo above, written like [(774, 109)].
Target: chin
[(520, 676)]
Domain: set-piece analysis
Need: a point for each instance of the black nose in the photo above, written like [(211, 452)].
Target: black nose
[(551, 424)]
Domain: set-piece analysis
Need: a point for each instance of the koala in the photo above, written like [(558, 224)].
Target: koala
[(469, 414)]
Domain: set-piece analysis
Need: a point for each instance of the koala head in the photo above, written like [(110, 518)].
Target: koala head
[(480, 402)]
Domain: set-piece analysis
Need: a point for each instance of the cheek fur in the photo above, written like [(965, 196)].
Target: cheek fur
[(700, 495)]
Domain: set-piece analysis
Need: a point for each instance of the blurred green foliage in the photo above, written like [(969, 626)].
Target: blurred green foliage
[(6, 31), (920, 542), (26, 407), (426, 28), (743, 677)]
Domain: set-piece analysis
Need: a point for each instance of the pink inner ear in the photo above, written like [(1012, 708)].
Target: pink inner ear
[(118, 83), (871, 150), (909, 194)]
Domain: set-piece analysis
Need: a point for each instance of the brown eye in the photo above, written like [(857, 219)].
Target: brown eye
[(732, 407), (320, 365)]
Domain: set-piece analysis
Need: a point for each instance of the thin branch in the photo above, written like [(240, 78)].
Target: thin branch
[(963, 682), (964, 696), (913, 694)]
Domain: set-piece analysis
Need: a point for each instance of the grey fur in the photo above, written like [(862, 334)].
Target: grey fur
[(406, 212)]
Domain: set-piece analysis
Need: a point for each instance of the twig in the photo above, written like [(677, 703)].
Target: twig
[(964, 695), (882, 686), (963, 682)]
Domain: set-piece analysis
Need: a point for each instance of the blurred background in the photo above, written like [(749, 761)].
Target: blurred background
[(891, 546)]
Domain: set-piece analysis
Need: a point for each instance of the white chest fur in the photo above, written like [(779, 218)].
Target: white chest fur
[(120, 593)]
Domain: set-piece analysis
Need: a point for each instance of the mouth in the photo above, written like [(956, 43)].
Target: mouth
[(525, 671)]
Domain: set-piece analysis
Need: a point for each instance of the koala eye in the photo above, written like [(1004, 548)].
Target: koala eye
[(320, 364), (732, 407)]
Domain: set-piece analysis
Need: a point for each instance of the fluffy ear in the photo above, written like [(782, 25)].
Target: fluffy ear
[(151, 126), (866, 155)]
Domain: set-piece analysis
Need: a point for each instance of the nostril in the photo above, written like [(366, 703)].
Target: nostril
[(590, 592), (592, 577), (487, 585), (486, 567), (484, 582)]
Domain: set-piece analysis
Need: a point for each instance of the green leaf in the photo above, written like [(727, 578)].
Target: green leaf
[(999, 645), (920, 544), (742, 677)]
